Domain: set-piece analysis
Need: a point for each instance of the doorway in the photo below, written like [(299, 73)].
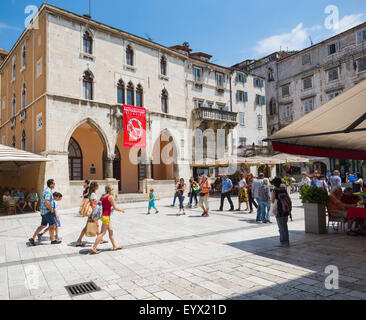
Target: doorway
[(117, 168)]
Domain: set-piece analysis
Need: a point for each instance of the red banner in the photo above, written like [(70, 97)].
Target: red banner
[(134, 127)]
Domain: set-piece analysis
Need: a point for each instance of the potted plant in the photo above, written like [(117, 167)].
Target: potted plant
[(287, 166), (309, 164), (314, 200)]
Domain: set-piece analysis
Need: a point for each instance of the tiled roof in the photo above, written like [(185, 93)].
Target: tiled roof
[(2, 51)]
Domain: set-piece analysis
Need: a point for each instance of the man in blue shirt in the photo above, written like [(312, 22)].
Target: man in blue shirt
[(227, 186), (47, 213)]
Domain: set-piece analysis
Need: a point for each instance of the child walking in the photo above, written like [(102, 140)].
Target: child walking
[(56, 197), (152, 202)]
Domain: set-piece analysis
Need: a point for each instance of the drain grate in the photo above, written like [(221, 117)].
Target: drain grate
[(82, 288)]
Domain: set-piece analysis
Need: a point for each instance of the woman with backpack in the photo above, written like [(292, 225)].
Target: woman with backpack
[(107, 204), (281, 208), (93, 201)]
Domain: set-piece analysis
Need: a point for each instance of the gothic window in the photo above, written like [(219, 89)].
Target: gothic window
[(88, 86), (87, 43), (75, 161)]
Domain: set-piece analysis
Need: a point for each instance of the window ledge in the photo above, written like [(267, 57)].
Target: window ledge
[(128, 67), (84, 55), (23, 68), (163, 77)]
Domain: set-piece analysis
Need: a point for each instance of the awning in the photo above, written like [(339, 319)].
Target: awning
[(289, 158), (336, 129), (11, 158)]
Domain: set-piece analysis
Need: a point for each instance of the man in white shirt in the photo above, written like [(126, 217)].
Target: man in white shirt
[(255, 186)]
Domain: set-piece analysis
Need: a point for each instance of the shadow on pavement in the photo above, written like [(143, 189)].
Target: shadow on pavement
[(306, 261)]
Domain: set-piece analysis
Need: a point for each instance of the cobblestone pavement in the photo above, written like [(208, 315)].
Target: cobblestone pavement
[(165, 256)]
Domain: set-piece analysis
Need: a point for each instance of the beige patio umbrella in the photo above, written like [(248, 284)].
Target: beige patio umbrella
[(11, 159), (336, 129), (288, 158)]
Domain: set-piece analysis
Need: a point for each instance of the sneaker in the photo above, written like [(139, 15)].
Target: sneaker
[(39, 236), (231, 210), (55, 242), (31, 241), (184, 213), (148, 213)]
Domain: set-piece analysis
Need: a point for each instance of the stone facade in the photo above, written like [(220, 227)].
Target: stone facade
[(78, 124), (298, 82)]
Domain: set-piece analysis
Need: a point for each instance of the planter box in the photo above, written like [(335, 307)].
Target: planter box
[(315, 218)]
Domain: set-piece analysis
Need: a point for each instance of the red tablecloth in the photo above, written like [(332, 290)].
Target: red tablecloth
[(356, 213)]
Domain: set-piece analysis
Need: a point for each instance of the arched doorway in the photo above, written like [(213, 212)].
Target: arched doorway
[(321, 167), (165, 155), (86, 147), (75, 161)]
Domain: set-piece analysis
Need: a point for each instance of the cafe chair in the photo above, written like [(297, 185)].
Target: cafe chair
[(11, 207), (337, 220)]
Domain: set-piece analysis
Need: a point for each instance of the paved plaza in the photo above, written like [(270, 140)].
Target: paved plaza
[(167, 257)]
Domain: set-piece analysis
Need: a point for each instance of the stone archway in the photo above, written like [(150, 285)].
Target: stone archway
[(91, 149), (165, 157)]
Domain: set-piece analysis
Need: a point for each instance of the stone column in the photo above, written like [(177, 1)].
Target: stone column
[(148, 169), (109, 168)]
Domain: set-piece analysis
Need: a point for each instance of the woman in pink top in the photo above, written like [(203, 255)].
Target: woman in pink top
[(108, 203)]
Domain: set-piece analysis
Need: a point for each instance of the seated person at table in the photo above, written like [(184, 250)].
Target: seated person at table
[(21, 201), (32, 200), (336, 206), (349, 198), (6, 198)]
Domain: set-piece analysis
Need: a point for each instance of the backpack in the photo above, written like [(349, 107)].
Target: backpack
[(98, 211), (284, 205)]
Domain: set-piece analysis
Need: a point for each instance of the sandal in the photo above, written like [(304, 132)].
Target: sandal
[(117, 249), (103, 242), (80, 245), (94, 252)]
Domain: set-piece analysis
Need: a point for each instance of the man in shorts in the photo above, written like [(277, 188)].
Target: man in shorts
[(204, 195), (47, 213)]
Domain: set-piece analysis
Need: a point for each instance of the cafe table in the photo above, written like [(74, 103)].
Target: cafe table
[(356, 213)]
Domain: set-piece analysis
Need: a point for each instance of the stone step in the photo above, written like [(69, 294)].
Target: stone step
[(138, 197)]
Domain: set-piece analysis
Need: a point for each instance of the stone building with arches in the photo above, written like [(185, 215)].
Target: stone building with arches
[(65, 81)]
